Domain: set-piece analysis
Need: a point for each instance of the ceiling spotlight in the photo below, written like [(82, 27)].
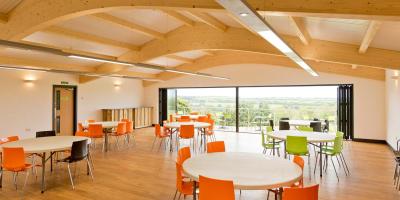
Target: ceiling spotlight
[(244, 14)]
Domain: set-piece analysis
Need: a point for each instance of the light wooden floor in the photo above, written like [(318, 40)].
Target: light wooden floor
[(142, 173)]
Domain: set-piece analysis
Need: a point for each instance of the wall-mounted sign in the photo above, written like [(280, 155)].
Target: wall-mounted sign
[(64, 83)]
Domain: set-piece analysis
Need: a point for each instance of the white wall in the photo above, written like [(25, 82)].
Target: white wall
[(369, 99), (392, 108), (27, 107)]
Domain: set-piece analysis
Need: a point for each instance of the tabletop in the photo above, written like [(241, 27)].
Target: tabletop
[(178, 124), (248, 171), (296, 122), (192, 117), (45, 144), (315, 137), (105, 124)]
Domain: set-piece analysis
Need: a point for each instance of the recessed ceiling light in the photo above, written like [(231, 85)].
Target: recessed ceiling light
[(244, 14)]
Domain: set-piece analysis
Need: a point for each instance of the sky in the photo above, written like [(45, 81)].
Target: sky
[(252, 92)]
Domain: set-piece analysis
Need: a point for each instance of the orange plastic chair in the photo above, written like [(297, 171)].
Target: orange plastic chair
[(209, 116), (121, 131), (3, 140), (217, 146), (210, 130), (202, 119), (80, 127), (13, 138), (125, 120), (81, 133), (183, 154), (95, 131), (301, 193), (129, 130), (183, 187), (212, 189), (300, 162), (184, 118), (171, 118), (194, 113), (187, 132), (14, 161), (160, 134)]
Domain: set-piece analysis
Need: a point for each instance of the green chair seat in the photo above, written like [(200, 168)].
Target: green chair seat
[(297, 145)]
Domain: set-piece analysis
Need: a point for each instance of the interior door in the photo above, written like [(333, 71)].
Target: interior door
[(64, 110)]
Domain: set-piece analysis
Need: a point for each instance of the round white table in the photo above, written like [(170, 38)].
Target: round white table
[(248, 171), (174, 126), (301, 122), (312, 137), (192, 117), (44, 145), (106, 125)]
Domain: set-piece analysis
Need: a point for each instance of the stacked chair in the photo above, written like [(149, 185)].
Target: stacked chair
[(396, 176)]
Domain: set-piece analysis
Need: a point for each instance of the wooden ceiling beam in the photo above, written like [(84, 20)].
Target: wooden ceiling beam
[(90, 38), (299, 27), (236, 58), (50, 12), (210, 20), (3, 18), (178, 16), (369, 35), (180, 58), (130, 25)]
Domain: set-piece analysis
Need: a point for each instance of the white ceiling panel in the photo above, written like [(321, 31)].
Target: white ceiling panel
[(388, 36), (102, 28), (192, 54), (166, 62), (149, 18), (72, 43)]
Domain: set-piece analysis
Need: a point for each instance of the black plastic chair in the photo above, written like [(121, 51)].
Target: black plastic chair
[(285, 118), (79, 152), (316, 126), (315, 119), (326, 127), (284, 125), (271, 124), (45, 134)]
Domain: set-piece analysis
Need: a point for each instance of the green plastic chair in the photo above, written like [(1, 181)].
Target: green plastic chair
[(267, 141), (336, 151), (305, 128), (296, 145)]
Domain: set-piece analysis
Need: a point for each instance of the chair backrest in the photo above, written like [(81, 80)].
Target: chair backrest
[(183, 154), (186, 131), (80, 127), (129, 126), (185, 117), (296, 145), (194, 113), (285, 118), (338, 144), (79, 150), (305, 128), (284, 125), (3, 140), (212, 123), (326, 127), (125, 120), (45, 133), (179, 177), (217, 146), (13, 138), (121, 128), (300, 162), (95, 130), (271, 124), (263, 138), (316, 126), (269, 129), (209, 116), (202, 119), (301, 193), (316, 119), (157, 130), (211, 189), (13, 158)]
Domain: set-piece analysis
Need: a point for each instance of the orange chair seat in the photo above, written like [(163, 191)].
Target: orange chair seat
[(187, 188), (20, 169)]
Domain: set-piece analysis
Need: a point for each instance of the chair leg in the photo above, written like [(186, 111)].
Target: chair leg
[(26, 177), (345, 163), (152, 146), (333, 164), (70, 176), (176, 192), (316, 161), (15, 177), (90, 168), (342, 164)]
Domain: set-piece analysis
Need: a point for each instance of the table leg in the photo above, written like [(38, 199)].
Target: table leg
[(194, 190), (51, 161), (280, 192), (320, 161), (106, 141), (170, 141), (273, 146), (284, 148), (43, 170), (1, 170), (204, 139)]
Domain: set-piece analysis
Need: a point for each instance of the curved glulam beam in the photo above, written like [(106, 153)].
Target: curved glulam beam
[(34, 15), (235, 58)]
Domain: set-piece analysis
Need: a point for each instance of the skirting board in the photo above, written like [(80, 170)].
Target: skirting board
[(370, 141)]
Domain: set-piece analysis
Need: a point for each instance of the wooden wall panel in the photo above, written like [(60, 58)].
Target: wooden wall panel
[(142, 117)]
